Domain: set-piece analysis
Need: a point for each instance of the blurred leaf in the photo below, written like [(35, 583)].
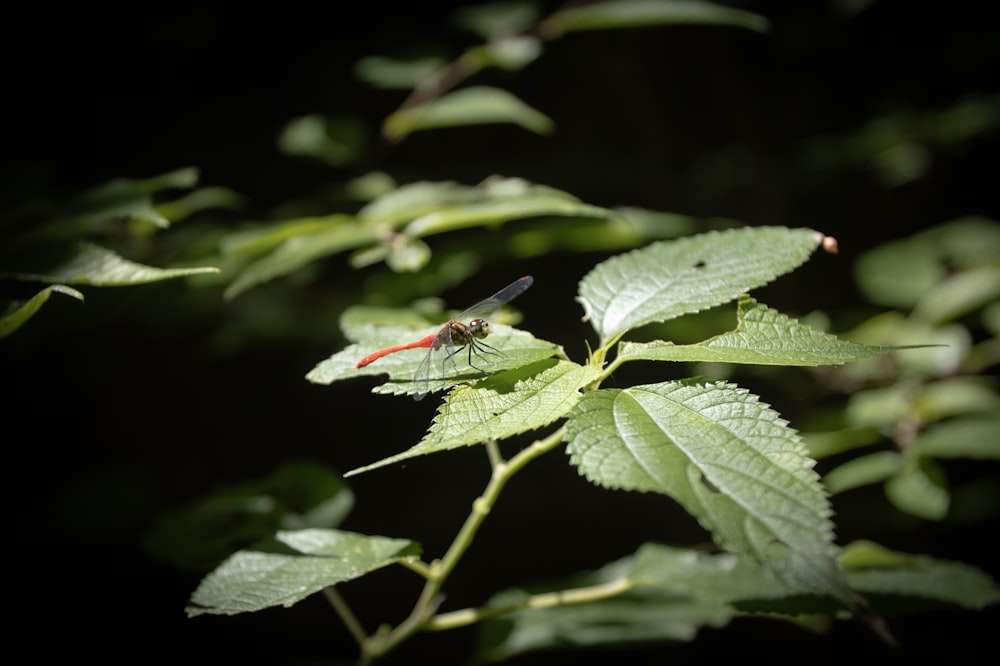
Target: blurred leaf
[(502, 405), (898, 274), (93, 265), (863, 471), (200, 534), (251, 581), (370, 186), (659, 594), (16, 317), (336, 141), (960, 294), (615, 14), (409, 256), (875, 570), (976, 437), (920, 489), (258, 240), (341, 233), (475, 105), (204, 198), (945, 348), (672, 278), (506, 200), (398, 73), (496, 19), (763, 336), (824, 444), (398, 206), (954, 396), (728, 459), (880, 407), (131, 199), (509, 53), (905, 272)]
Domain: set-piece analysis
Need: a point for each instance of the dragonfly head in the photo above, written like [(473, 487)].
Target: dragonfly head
[(479, 328)]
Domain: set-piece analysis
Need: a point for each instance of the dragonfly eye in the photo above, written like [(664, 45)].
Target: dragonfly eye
[(479, 328)]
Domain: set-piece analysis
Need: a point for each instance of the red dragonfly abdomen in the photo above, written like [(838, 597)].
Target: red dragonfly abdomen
[(416, 344)]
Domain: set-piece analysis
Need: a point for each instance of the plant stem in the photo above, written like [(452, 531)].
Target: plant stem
[(381, 643), (580, 595)]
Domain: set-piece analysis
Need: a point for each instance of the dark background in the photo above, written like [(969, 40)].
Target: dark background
[(121, 411)]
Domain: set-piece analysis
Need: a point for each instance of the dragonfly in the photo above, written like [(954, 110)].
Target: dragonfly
[(455, 336)]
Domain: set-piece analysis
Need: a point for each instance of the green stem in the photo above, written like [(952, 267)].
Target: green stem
[(345, 613), (461, 618), (423, 612)]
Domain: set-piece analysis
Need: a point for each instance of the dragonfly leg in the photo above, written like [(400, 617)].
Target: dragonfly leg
[(482, 349)]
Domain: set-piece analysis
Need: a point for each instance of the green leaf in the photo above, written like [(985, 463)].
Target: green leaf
[(406, 202), (13, 320), (875, 570), (342, 233), (728, 459), (126, 198), (398, 73), (920, 489), (954, 396), (517, 348), (825, 444), (475, 105), (959, 294), (863, 471), (198, 535), (91, 264), (942, 271), (968, 437), (504, 200), (659, 594), (252, 580), (497, 19), (673, 278), (335, 141), (762, 336), (642, 13), (500, 406), (512, 52)]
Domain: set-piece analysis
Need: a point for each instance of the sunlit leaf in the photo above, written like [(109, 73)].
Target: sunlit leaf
[(250, 580), (668, 279), (14, 319), (476, 105), (763, 336), (516, 348), (502, 405), (728, 459)]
